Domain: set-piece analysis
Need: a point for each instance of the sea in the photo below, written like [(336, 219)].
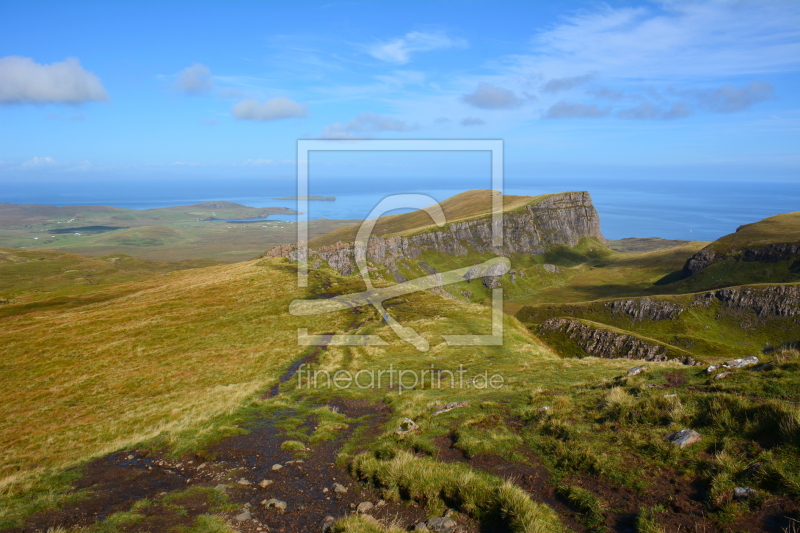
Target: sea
[(674, 209)]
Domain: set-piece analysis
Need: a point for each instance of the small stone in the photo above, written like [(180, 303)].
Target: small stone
[(723, 375), (635, 371), (441, 524), (244, 515), (243, 481), (380, 503), (544, 408), (247, 505), (421, 527), (711, 369), (130, 457), (406, 426), (276, 467), (202, 466), (327, 523), (449, 513), (684, 437), (743, 493), (338, 488), (325, 490), (363, 507), (276, 504), (265, 483)]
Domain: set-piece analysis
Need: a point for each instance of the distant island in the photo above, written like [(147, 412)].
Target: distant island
[(308, 198)]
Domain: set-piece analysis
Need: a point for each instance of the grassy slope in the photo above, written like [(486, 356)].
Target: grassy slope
[(783, 228), (173, 240)]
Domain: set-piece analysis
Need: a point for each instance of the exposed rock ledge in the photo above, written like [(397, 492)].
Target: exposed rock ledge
[(560, 219), (642, 308), (779, 300), (763, 254), (609, 344)]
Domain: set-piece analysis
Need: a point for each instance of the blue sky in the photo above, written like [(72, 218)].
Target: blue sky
[(109, 90)]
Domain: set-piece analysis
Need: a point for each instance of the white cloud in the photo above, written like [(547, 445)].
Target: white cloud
[(274, 109), (48, 163), (23, 81), (399, 50), (365, 123), (488, 96), (195, 79), (564, 109), (39, 162)]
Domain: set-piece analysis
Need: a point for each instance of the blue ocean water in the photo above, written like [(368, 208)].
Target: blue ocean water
[(689, 210)]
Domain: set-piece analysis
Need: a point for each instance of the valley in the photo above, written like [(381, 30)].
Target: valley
[(156, 390)]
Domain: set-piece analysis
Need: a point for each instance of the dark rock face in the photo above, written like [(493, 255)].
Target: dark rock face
[(609, 344), (698, 262), (780, 300), (764, 254), (642, 308), (561, 219)]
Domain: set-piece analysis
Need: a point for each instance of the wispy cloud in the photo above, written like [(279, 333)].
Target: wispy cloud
[(274, 109), (473, 121), (23, 81), (50, 164), (363, 125), (564, 84), (488, 96), (399, 50), (729, 99), (565, 109)]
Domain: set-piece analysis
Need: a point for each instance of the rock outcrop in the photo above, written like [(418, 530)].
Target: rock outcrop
[(559, 219), (641, 308), (610, 344), (772, 253), (777, 300)]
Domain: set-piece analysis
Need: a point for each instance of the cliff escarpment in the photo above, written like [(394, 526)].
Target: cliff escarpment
[(606, 343), (532, 228)]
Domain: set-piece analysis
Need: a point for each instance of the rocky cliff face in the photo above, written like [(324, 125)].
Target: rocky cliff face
[(609, 344), (561, 219), (642, 308), (762, 254), (777, 300)]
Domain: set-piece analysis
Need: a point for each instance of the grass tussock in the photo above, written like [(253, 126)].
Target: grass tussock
[(590, 509), (440, 485), (646, 521)]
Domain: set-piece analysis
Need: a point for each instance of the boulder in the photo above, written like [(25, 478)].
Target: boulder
[(274, 503), (244, 515), (742, 362), (406, 426), (441, 524), (635, 371), (743, 493), (363, 507), (327, 523), (684, 437)]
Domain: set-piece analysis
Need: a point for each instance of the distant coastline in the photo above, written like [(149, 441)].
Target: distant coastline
[(309, 198)]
